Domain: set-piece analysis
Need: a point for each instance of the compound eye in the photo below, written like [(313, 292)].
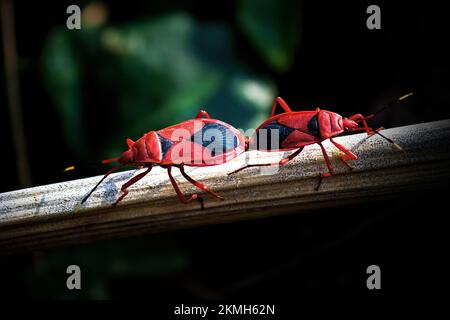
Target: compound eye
[(313, 125)]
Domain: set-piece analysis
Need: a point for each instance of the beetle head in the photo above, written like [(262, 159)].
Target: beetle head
[(350, 125), (126, 157)]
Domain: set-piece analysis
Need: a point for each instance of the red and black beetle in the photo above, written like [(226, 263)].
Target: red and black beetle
[(198, 142), (297, 129)]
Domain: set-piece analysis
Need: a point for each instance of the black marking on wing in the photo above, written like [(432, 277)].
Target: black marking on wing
[(207, 139), (165, 145), (283, 133), (313, 125)]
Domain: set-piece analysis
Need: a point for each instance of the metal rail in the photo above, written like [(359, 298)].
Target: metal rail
[(52, 215)]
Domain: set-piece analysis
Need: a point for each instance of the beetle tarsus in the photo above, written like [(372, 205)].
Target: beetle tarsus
[(321, 176), (202, 202)]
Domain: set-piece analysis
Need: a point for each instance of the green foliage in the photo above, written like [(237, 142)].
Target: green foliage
[(273, 27), (146, 75), (62, 76)]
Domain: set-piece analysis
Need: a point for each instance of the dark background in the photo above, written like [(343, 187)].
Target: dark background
[(332, 61)]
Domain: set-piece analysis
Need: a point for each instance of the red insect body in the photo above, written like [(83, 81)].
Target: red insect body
[(155, 147), (198, 142), (297, 129)]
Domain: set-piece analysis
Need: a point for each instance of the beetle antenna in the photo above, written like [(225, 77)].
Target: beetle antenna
[(389, 140), (69, 168), (403, 97), (393, 102), (73, 166), (104, 177), (110, 160)]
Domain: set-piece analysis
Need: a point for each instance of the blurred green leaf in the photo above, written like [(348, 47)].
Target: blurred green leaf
[(145, 75), (273, 27), (62, 78)]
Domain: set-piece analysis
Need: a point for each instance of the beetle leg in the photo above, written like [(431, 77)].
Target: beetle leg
[(129, 183), (359, 117), (350, 155), (344, 159), (282, 162), (283, 105), (180, 195), (198, 184), (201, 114), (327, 161), (347, 156), (329, 166)]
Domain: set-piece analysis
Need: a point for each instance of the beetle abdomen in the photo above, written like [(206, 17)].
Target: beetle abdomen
[(201, 142), (216, 137), (271, 136)]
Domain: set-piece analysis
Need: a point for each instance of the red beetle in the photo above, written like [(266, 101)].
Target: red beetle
[(297, 129), (198, 142)]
